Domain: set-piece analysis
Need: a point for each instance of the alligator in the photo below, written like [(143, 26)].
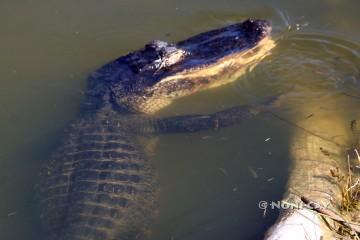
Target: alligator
[(100, 184)]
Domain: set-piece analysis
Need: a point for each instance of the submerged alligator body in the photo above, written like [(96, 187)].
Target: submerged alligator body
[(99, 183)]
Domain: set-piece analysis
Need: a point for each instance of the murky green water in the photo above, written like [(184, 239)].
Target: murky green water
[(211, 182)]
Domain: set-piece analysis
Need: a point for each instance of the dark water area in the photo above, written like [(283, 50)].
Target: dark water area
[(212, 181)]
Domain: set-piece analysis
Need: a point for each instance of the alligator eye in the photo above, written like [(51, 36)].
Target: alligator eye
[(175, 56)]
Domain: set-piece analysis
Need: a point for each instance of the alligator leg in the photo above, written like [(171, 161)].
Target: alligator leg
[(201, 122)]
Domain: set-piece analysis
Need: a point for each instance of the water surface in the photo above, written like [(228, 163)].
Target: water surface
[(211, 182)]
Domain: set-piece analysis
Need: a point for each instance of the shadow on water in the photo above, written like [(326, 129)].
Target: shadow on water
[(211, 182)]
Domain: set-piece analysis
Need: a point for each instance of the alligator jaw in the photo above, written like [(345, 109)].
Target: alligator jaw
[(185, 83), (149, 79)]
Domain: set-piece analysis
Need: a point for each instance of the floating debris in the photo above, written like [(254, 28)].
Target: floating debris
[(223, 170), (270, 179), (12, 214), (309, 116), (325, 152), (235, 189), (267, 139), (357, 154), (353, 124), (253, 173)]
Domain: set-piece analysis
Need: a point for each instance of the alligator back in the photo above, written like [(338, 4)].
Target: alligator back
[(99, 185)]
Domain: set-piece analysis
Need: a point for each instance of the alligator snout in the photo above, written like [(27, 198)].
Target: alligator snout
[(256, 29)]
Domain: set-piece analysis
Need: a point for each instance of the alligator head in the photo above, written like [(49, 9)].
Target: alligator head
[(151, 78)]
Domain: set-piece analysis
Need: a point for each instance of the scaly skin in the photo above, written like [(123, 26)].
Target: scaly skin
[(99, 184)]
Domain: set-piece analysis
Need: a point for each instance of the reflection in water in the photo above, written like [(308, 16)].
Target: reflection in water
[(209, 189)]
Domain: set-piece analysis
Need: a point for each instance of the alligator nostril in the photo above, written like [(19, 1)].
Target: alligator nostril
[(256, 29)]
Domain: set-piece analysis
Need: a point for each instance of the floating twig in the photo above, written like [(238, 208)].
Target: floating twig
[(328, 213)]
